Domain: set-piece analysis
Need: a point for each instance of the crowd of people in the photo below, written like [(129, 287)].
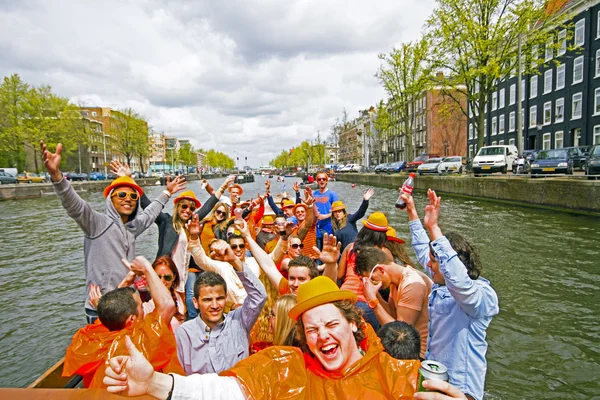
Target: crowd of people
[(293, 300)]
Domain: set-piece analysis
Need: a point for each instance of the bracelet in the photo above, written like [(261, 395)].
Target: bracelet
[(172, 387), (167, 193)]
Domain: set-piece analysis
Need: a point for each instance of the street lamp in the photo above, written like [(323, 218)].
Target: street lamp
[(237, 157), (104, 136)]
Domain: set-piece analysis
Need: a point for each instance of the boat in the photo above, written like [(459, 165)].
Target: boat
[(52, 379), (305, 185)]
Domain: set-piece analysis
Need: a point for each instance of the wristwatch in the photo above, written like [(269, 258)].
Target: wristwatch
[(373, 303)]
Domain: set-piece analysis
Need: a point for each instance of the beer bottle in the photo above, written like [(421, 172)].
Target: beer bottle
[(407, 188)]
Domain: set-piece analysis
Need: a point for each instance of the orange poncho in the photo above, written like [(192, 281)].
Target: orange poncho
[(287, 373), (93, 345)]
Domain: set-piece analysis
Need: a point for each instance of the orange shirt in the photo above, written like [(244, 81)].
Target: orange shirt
[(284, 287), (310, 241), (93, 345), (352, 281), (375, 376)]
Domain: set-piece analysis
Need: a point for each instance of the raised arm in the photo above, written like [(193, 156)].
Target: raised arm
[(329, 256), (145, 218), (161, 296), (362, 210), (197, 251)]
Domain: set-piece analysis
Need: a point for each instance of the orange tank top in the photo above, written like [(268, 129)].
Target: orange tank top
[(352, 281), (310, 241)]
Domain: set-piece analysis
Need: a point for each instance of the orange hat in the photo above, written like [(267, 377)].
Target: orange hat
[(236, 186), (297, 206), (317, 292), (376, 222), (391, 236), (337, 206), (287, 204), (123, 181), (187, 195), (268, 220)]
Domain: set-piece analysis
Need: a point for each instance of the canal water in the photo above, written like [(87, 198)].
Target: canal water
[(544, 265)]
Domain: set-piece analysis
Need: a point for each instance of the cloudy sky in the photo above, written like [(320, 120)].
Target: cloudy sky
[(254, 77)]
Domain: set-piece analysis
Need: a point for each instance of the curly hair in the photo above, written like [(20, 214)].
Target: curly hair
[(466, 253), (352, 314), (261, 331)]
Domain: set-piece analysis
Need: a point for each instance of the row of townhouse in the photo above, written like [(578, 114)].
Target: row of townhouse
[(561, 103)]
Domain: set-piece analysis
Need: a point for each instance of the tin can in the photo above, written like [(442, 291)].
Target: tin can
[(431, 370)]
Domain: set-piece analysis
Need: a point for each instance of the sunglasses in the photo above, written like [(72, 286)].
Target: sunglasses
[(219, 212), (191, 207), (237, 246), (132, 195), (321, 179), (297, 245), (167, 278)]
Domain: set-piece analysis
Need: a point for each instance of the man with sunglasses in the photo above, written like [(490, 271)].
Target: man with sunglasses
[(324, 198), (109, 236), (409, 291)]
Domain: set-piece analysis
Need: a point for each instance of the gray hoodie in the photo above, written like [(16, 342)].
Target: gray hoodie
[(107, 240)]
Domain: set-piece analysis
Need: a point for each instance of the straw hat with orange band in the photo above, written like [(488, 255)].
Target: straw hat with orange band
[(376, 222), (316, 292), (187, 195), (123, 181)]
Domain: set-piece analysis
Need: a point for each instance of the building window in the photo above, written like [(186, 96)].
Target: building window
[(501, 98), (559, 110), (94, 113), (548, 81), (512, 94), (535, 54), (511, 121), (523, 116), (494, 100), (501, 124), (597, 101), (470, 131), (576, 136), (579, 32), (532, 116), (546, 141), (597, 74), (576, 106), (470, 150), (562, 40), (596, 134), (578, 70), (560, 76), (522, 89), (598, 26), (511, 142), (548, 113), (549, 50), (494, 143), (558, 140), (494, 126), (533, 87)]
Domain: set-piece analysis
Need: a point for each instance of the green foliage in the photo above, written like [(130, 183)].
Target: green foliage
[(477, 41), (405, 73), (216, 159), (129, 133)]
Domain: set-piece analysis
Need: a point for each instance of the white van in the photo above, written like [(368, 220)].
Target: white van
[(12, 171), (491, 159)]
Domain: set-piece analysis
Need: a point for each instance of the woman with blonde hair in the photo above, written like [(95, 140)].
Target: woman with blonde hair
[(214, 225), (284, 328)]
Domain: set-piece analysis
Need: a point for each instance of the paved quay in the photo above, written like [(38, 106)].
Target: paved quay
[(571, 194)]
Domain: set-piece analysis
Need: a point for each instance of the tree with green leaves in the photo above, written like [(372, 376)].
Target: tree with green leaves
[(477, 42), (129, 133), (405, 74), (187, 155), (13, 95), (382, 124)]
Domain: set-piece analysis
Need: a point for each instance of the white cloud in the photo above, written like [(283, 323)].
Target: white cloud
[(253, 77)]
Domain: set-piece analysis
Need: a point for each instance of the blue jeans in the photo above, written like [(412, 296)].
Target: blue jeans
[(192, 312), (90, 315), (368, 314)]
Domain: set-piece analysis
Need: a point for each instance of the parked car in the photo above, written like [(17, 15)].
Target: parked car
[(429, 167), (530, 154), (592, 166), (74, 176), (396, 167), (347, 168), (452, 164), (97, 176), (552, 162), (10, 171), (30, 177), (490, 159), (578, 155), (6, 178), (381, 168), (414, 164), (356, 168)]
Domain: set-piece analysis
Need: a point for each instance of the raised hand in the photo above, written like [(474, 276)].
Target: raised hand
[(296, 187), (289, 228), (368, 194), (432, 210), (309, 200), (221, 251), (242, 226), (267, 187), (193, 226), (129, 374), (369, 289), (331, 249), (177, 184), (140, 265), (117, 168), (229, 181), (308, 192), (95, 294), (52, 161)]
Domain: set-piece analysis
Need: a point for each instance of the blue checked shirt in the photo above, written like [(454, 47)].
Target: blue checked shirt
[(459, 315)]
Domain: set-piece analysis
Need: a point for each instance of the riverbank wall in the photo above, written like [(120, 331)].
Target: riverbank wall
[(34, 190), (566, 194)]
